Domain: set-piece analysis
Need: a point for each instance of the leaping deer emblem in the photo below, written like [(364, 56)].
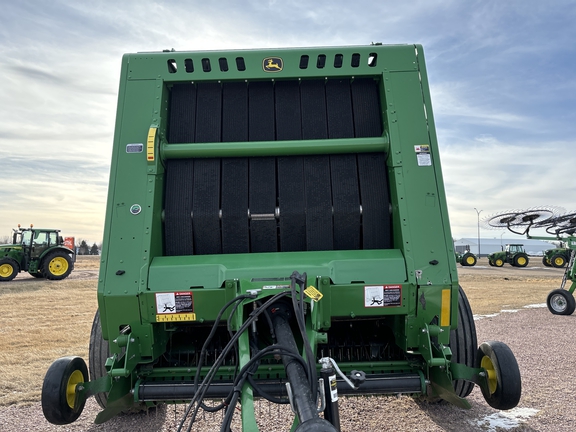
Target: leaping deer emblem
[(272, 64)]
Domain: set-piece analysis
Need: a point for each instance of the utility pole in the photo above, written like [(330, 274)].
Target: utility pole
[(478, 214)]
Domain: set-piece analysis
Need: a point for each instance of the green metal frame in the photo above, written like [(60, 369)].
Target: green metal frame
[(570, 272), (422, 261)]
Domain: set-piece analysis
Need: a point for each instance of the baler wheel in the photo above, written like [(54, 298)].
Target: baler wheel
[(98, 352), (558, 261), (499, 262), (463, 342), (561, 302), (57, 266), (59, 390), (504, 381), (8, 269)]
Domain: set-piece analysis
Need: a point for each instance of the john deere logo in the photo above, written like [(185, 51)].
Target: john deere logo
[(272, 64)]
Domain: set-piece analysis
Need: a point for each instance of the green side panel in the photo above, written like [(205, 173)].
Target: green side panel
[(210, 271)]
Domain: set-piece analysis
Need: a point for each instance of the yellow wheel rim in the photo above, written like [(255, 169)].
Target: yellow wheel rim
[(470, 260), (492, 377), (521, 261), (75, 379), (499, 263), (6, 270), (58, 266), (559, 261)]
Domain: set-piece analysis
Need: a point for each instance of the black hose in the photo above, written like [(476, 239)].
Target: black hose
[(199, 394), (304, 402)]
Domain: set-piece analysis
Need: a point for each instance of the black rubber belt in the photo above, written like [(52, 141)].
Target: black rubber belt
[(182, 114), (376, 227), (234, 112), (262, 202), (291, 196), (178, 207), (206, 207), (319, 235), (313, 103), (235, 229), (287, 109), (339, 108), (261, 111), (366, 107), (346, 202), (209, 116)]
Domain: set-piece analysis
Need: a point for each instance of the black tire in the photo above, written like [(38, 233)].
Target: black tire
[(463, 342), (561, 302), (8, 269), (521, 260), (98, 352), (469, 260), (498, 262), (58, 390), (491, 263), (57, 265), (505, 384), (558, 261), (546, 262)]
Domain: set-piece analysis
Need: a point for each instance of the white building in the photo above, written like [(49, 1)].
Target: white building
[(488, 246)]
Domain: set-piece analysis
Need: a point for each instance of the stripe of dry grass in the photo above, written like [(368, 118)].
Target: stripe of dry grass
[(40, 321)]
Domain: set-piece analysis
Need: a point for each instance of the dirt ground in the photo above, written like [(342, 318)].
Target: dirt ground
[(508, 304)]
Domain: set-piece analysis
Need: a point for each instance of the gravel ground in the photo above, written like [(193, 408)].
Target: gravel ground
[(544, 347)]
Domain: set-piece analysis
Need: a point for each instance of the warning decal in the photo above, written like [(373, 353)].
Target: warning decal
[(174, 303), (382, 295), (423, 155)]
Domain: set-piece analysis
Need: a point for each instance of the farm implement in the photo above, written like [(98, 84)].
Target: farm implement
[(277, 228), (562, 227)]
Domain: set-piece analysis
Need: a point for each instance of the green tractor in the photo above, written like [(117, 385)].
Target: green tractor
[(513, 254), (467, 259), (556, 257), (41, 252)]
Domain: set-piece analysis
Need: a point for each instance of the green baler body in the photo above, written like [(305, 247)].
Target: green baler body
[(158, 246)]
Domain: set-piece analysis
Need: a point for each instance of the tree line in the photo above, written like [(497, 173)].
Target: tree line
[(82, 248)]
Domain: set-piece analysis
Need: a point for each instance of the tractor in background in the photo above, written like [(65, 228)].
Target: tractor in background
[(513, 254), (41, 252), (466, 259), (556, 257)]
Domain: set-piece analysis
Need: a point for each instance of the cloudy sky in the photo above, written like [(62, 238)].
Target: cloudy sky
[(502, 77)]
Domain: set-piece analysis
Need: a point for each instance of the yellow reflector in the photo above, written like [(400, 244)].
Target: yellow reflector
[(150, 144), (176, 317), (445, 312)]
